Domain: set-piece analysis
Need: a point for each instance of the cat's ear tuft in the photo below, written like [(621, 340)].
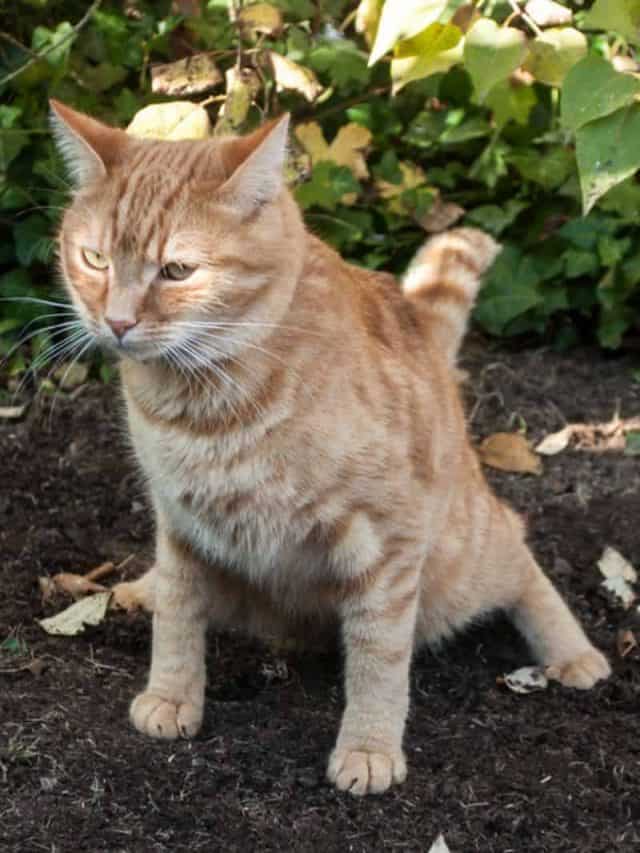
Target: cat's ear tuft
[(257, 165), (88, 147)]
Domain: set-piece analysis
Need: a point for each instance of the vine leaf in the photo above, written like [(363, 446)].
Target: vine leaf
[(492, 53)]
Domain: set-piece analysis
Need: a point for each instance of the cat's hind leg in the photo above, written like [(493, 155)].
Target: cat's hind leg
[(553, 633)]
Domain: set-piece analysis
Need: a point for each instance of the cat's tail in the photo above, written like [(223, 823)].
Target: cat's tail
[(443, 280)]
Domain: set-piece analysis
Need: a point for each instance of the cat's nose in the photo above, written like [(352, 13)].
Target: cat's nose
[(119, 327)]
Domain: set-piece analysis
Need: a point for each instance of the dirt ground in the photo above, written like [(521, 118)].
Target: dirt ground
[(553, 771)]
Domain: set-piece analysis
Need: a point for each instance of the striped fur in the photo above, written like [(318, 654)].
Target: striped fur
[(305, 452)]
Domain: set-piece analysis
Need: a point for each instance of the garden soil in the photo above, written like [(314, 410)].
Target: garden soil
[(492, 770)]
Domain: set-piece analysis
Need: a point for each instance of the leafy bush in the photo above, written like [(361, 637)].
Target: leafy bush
[(408, 115)]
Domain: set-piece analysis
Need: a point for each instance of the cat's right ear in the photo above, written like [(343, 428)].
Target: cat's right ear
[(88, 147)]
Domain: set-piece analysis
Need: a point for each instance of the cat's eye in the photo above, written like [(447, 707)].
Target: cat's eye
[(96, 260), (176, 271)]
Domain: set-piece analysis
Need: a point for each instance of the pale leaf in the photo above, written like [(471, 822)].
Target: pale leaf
[(436, 49), (527, 679), (556, 442), (367, 18), (439, 845), (403, 19), (554, 53), (11, 413), (619, 575), (441, 215), (546, 13), (72, 621), (311, 137), (492, 53), (69, 376), (175, 120), (509, 451), (348, 147), (290, 75)]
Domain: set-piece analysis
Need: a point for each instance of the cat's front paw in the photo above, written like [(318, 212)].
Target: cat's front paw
[(361, 772), (583, 671), (156, 716)]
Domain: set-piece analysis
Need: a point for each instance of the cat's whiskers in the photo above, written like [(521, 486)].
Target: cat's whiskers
[(54, 353), (83, 347), (51, 329)]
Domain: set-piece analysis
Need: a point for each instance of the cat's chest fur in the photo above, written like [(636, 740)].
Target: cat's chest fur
[(236, 500)]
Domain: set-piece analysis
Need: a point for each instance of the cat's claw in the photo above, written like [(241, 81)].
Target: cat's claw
[(156, 716), (361, 772), (583, 671)]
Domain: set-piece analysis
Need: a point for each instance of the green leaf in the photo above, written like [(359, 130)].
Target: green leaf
[(579, 263), (435, 49), (492, 53), (401, 19), (608, 151), (326, 187), (622, 16), (612, 250), (594, 89), (342, 61), (511, 288), (554, 52), (632, 444), (496, 219), (57, 42), (32, 238), (511, 102), (549, 168)]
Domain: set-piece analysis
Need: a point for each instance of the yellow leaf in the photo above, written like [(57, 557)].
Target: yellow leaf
[(176, 120), (432, 51), (367, 18), (412, 177), (290, 75), (345, 150), (509, 451), (260, 18)]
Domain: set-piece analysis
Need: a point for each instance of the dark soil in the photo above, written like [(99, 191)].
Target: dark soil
[(554, 771)]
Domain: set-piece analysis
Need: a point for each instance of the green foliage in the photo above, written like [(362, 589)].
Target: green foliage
[(514, 127)]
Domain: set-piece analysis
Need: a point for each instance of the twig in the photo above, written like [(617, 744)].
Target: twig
[(36, 57), (526, 18)]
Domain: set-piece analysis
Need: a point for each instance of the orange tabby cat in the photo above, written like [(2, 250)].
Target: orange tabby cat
[(299, 425)]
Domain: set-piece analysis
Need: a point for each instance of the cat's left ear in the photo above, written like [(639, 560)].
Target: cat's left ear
[(88, 147), (257, 165)]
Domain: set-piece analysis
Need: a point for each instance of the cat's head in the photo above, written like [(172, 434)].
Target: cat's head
[(175, 248)]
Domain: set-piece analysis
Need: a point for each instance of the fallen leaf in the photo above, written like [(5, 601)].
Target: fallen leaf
[(554, 443), (441, 215), (289, 75), (71, 621), (527, 679), (12, 413), (69, 376), (619, 575), (260, 18), (546, 13), (175, 120), (625, 642), (192, 75), (439, 845), (509, 451), (75, 585)]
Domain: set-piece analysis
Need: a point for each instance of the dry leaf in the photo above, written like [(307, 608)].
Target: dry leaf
[(70, 622), (509, 451), (176, 120), (412, 177), (190, 76), (556, 442), (260, 18), (290, 75), (465, 16), (72, 375), (441, 215), (527, 679), (546, 13), (619, 575), (12, 413), (439, 845), (347, 149), (241, 90), (625, 642)]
